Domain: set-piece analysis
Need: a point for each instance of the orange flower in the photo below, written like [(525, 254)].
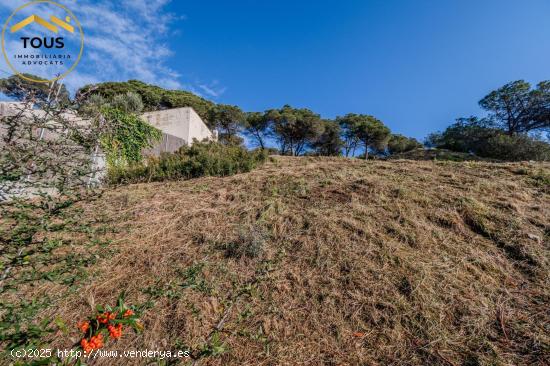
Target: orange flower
[(105, 317), (96, 342), (86, 345), (115, 332), (84, 326), (102, 319), (128, 313)]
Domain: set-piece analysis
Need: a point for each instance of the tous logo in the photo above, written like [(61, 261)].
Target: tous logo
[(37, 42), (30, 48)]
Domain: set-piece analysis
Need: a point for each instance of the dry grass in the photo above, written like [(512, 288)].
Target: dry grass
[(319, 261)]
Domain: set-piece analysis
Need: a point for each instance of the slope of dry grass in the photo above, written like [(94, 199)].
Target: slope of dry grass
[(319, 261)]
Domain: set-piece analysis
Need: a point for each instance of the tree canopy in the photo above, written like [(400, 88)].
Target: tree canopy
[(350, 138), (257, 125), (472, 135), (228, 120), (329, 142), (516, 108), (153, 97), (295, 129), (367, 130), (20, 88), (400, 144)]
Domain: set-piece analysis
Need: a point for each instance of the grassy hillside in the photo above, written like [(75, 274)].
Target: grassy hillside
[(320, 261)]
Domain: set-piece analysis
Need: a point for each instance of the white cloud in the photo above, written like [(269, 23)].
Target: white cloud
[(125, 40), (213, 89)]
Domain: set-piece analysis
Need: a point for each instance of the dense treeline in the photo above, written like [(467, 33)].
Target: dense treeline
[(153, 97), (517, 117), (470, 135), (294, 131)]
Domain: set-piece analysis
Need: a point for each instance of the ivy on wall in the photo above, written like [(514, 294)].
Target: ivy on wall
[(126, 137)]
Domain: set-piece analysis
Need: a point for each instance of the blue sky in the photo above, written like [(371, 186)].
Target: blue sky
[(415, 64)]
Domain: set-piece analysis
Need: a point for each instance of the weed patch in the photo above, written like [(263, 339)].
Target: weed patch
[(250, 243), (201, 159)]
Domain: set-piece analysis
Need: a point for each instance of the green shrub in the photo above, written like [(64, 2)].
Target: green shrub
[(473, 136), (399, 144), (201, 159), (514, 148), (126, 137)]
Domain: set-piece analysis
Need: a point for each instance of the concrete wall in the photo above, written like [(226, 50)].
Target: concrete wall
[(168, 143), (183, 123), (197, 128)]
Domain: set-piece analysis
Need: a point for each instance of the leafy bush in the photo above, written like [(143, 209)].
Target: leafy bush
[(153, 97), (126, 137), (473, 136), (400, 144), (513, 148), (201, 159), (466, 135)]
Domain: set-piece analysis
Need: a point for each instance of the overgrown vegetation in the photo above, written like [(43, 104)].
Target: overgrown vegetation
[(312, 259), (471, 135), (399, 144), (512, 130), (46, 149), (517, 115), (46, 167), (201, 159), (154, 97), (126, 137)]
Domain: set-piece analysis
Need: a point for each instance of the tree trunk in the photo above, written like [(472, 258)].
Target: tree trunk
[(259, 138)]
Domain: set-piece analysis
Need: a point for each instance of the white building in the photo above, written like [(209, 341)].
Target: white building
[(179, 126)]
